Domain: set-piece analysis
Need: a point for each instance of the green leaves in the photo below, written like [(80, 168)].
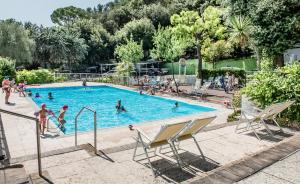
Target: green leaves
[(7, 68), (15, 42), (282, 84), (128, 53)]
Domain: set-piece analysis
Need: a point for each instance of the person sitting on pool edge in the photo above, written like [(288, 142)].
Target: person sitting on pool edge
[(50, 96), (120, 107), (61, 117)]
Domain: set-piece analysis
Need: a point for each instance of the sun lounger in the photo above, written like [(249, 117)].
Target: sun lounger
[(189, 132), (270, 112), (201, 90), (163, 137)]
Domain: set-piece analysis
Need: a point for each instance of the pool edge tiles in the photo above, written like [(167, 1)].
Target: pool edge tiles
[(102, 98)]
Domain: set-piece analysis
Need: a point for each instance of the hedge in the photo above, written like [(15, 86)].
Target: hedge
[(35, 76)]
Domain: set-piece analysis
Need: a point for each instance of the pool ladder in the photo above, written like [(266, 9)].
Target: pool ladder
[(95, 126)]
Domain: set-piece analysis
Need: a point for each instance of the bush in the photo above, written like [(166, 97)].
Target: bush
[(268, 87), (7, 68), (35, 76)]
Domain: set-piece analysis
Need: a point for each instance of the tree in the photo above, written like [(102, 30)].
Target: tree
[(67, 15), (15, 42), (158, 14), (276, 26), (129, 54), (140, 30), (59, 45), (240, 28), (99, 41), (214, 51), (168, 47), (199, 29)]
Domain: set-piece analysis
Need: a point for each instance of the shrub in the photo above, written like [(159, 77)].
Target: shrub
[(35, 76), (7, 68), (268, 87)]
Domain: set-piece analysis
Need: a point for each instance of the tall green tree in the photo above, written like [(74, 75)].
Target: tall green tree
[(140, 30), (67, 15), (198, 29), (276, 26), (168, 47), (57, 46), (15, 42), (129, 54), (99, 41)]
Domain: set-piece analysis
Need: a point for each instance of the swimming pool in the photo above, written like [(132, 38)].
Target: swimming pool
[(140, 108)]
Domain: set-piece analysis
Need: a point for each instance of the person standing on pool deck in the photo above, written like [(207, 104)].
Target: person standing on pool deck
[(43, 117), (6, 89), (61, 117), (120, 107)]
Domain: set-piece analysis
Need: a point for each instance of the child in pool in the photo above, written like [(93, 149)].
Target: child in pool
[(61, 117), (37, 95), (120, 107), (50, 96)]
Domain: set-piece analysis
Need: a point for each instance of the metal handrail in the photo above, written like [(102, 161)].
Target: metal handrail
[(95, 126), (18, 114), (38, 141)]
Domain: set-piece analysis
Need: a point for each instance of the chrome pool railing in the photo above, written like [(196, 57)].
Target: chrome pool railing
[(95, 126), (38, 141)]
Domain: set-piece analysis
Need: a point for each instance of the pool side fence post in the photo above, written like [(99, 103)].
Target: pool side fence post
[(95, 132), (38, 141), (76, 132)]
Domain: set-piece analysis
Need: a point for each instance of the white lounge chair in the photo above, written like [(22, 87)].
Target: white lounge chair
[(201, 90), (270, 112), (163, 137), (193, 128)]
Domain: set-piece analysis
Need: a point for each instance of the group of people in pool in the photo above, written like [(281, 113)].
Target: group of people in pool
[(37, 95)]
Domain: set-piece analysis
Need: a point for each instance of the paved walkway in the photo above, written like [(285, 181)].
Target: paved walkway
[(283, 171)]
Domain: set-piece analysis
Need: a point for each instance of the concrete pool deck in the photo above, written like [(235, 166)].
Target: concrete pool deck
[(221, 147)]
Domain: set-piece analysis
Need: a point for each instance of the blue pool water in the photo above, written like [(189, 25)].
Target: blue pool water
[(140, 108)]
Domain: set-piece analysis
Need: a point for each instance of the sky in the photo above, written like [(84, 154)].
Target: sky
[(39, 11)]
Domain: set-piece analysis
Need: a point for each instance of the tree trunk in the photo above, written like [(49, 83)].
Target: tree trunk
[(279, 61), (200, 74), (176, 85)]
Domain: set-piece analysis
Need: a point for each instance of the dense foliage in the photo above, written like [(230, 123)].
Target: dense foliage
[(282, 84), (129, 54), (7, 68), (15, 42), (35, 76)]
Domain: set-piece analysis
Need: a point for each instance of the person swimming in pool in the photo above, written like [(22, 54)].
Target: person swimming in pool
[(120, 107), (176, 105), (37, 95), (50, 96)]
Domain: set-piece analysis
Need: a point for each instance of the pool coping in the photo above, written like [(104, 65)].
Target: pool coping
[(161, 121)]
